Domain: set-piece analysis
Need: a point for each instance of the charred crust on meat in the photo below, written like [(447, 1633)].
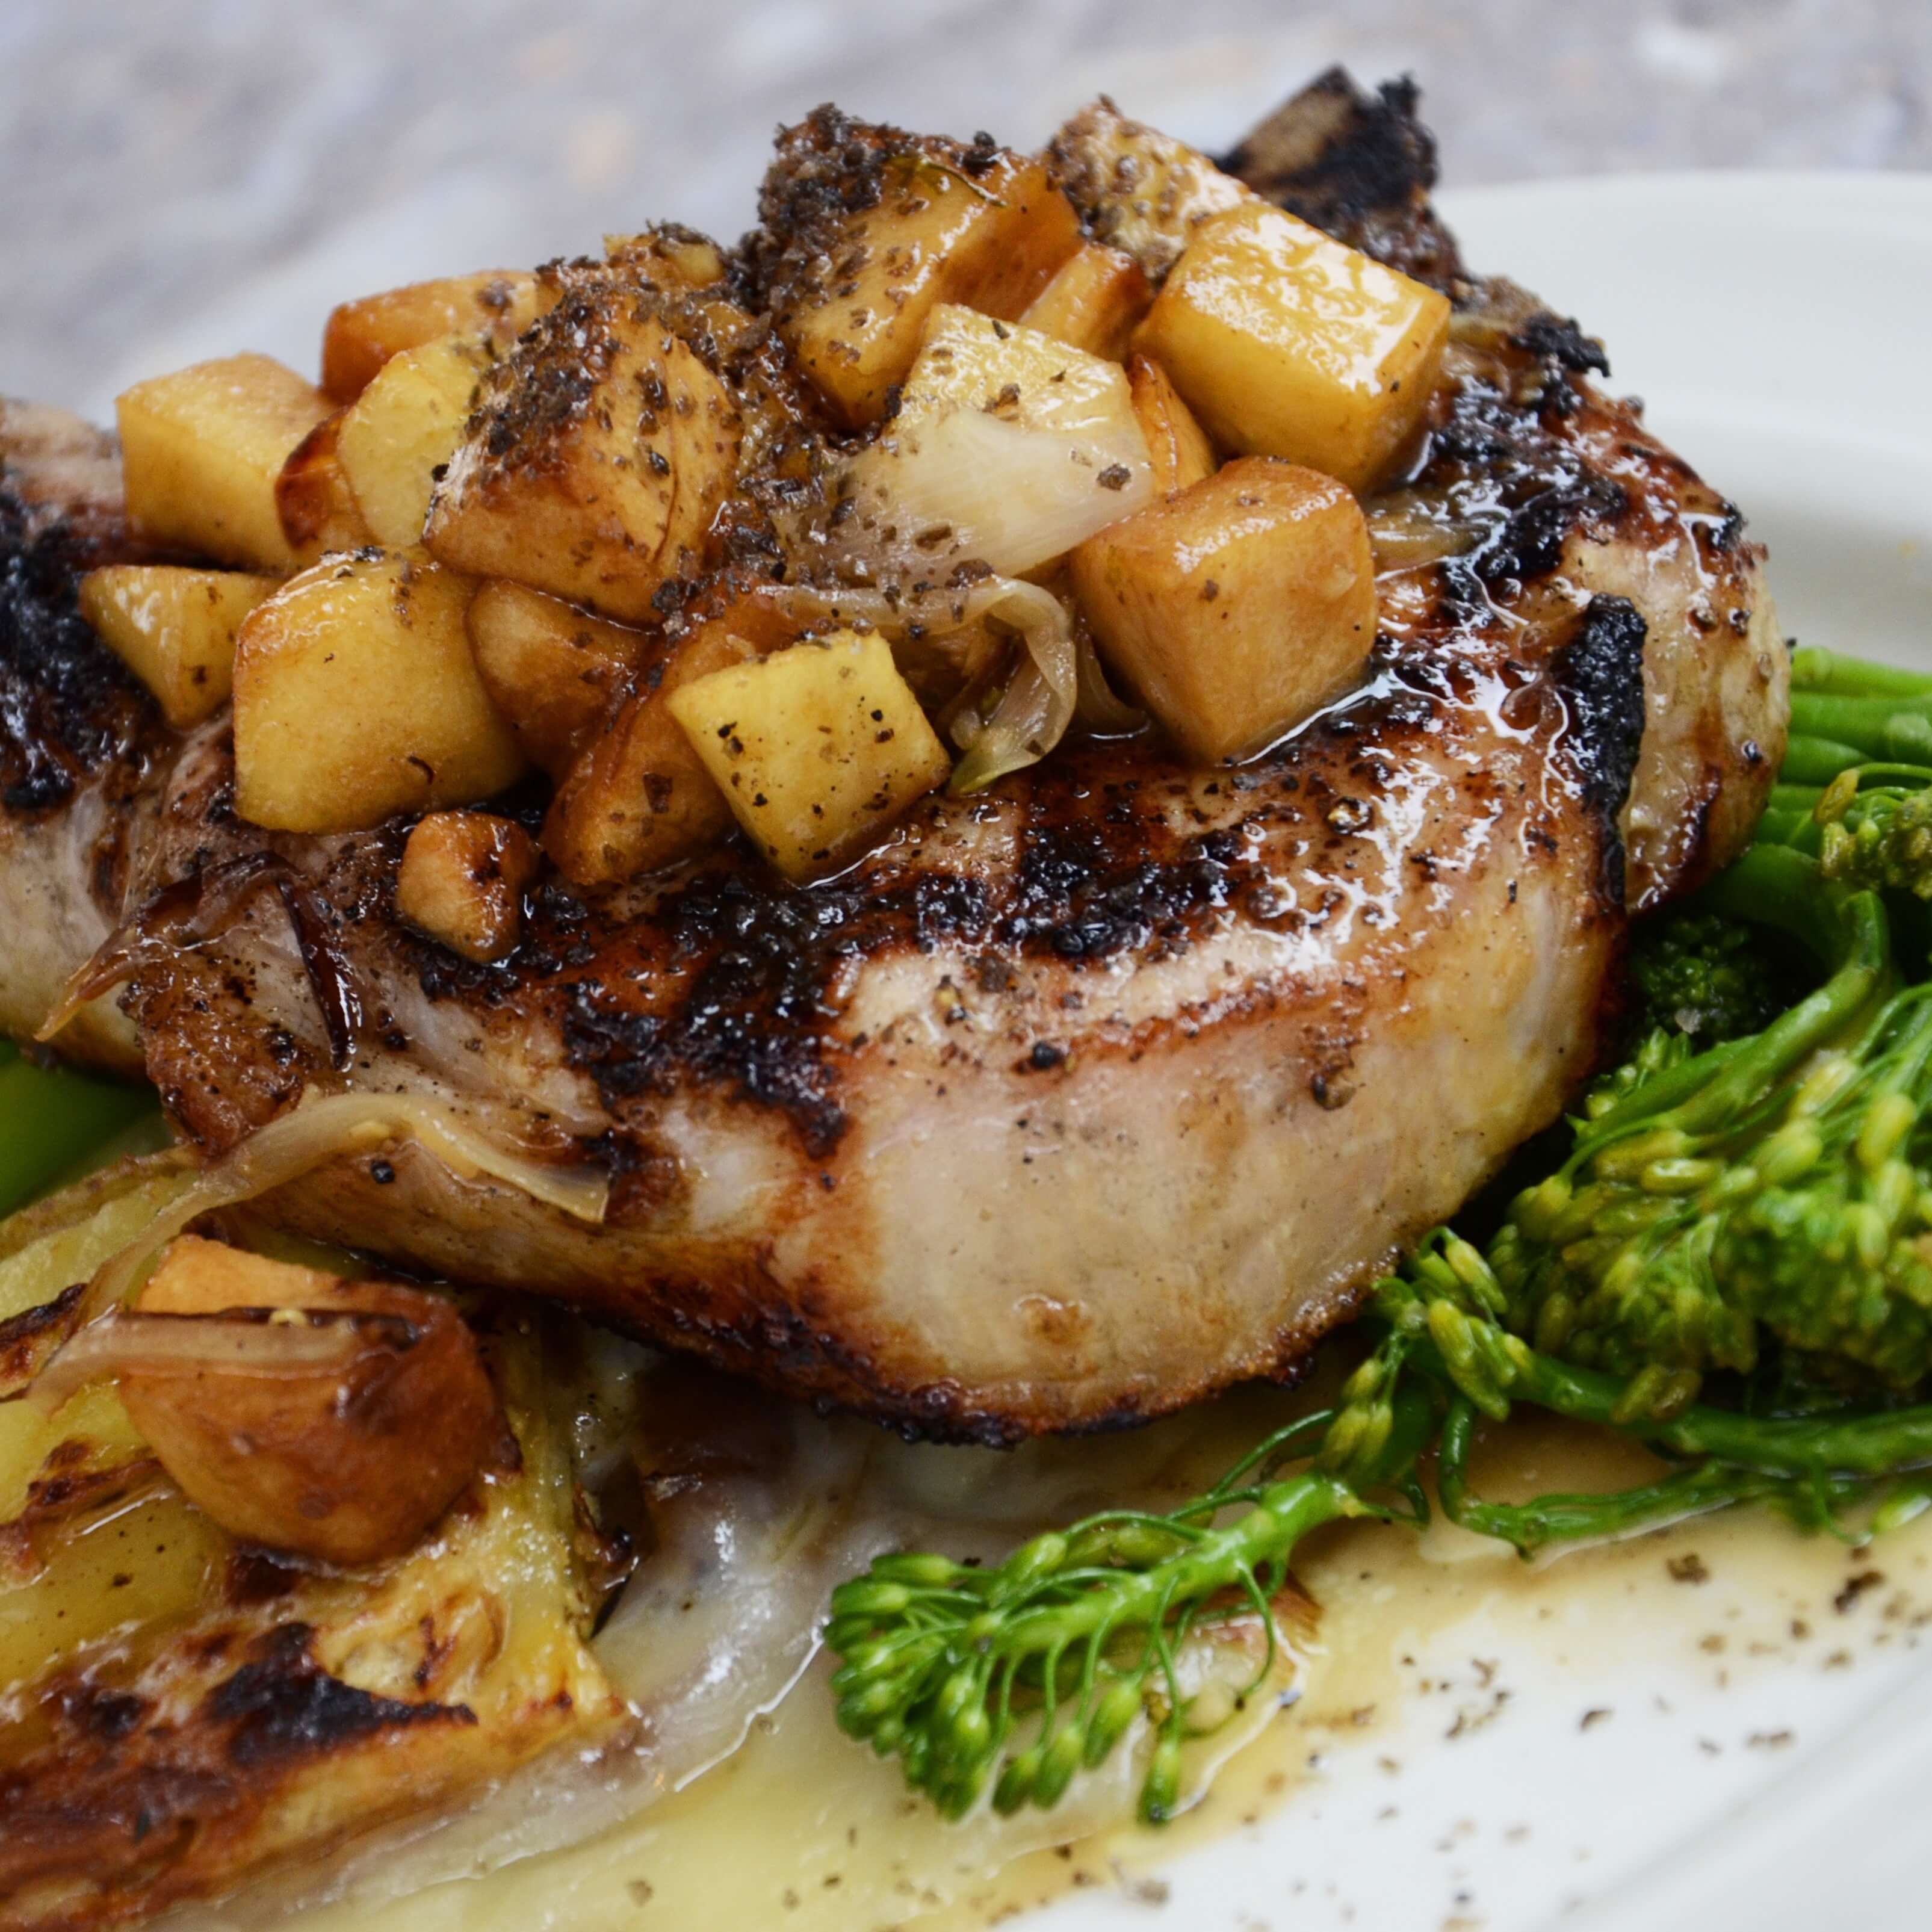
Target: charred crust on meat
[(68, 708), (1360, 166), (1562, 341), (1600, 675)]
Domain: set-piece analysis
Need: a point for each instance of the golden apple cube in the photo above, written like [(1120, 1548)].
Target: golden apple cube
[(816, 749), (318, 509), (361, 336), (990, 242), (552, 670), (1140, 190), (1238, 608), (1286, 343), (174, 629), (638, 797), (403, 428), (201, 452), (1178, 445), (1095, 299), (600, 453), (462, 881), (356, 696)]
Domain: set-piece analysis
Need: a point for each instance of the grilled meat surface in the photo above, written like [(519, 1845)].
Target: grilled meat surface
[(1077, 1100)]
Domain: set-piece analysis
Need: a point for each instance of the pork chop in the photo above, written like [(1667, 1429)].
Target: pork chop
[(1077, 1100)]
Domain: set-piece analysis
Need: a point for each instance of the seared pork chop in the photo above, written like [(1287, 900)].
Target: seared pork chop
[(1078, 1099)]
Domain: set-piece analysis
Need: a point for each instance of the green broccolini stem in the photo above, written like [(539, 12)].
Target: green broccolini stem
[(1810, 760), (50, 1119), (1814, 668)]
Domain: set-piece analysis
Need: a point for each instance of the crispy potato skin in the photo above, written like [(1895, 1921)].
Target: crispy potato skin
[(348, 1465)]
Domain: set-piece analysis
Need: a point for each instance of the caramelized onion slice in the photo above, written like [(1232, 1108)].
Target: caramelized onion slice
[(1031, 715), (322, 1130)]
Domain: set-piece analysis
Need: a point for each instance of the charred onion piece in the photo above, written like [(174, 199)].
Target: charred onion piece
[(335, 1419)]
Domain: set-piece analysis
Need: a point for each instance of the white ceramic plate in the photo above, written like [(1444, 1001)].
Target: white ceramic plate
[(1775, 326)]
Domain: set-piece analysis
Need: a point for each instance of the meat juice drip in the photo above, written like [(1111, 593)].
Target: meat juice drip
[(1420, 1643)]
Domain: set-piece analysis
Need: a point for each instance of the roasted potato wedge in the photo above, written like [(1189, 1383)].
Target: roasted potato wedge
[(1285, 343), (990, 239), (356, 696), (462, 880), (349, 1462), (553, 670), (361, 336), (174, 629), (1095, 298), (318, 510), (201, 453), (816, 749), (638, 797), (600, 453), (1236, 608), (1182, 455), (396, 437)]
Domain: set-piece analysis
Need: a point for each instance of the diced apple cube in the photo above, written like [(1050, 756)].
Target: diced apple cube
[(816, 749), (553, 670), (1095, 299), (1286, 343), (1139, 190), (462, 880), (201, 450), (1178, 445), (318, 510), (361, 336), (1238, 608), (638, 797), (402, 431), (991, 239), (174, 629), (601, 452), (355, 697)]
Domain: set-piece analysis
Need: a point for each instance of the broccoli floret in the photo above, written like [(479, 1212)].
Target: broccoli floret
[(1881, 837), (1708, 977)]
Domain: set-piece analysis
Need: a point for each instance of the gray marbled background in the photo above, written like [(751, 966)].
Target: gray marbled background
[(185, 177)]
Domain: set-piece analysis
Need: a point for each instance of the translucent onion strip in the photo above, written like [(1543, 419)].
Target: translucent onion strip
[(319, 1130), (1033, 712)]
